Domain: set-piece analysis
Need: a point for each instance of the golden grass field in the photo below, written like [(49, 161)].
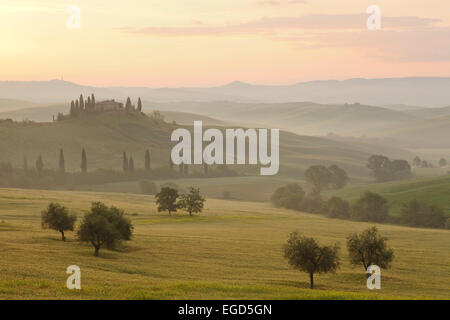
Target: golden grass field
[(230, 251)]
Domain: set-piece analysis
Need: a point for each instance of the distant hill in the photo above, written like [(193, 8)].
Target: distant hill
[(106, 136), (430, 112), (300, 117), (433, 190), (45, 113), (189, 118), (39, 113), (429, 132), (422, 92), (13, 104), (416, 91), (412, 127), (418, 127)]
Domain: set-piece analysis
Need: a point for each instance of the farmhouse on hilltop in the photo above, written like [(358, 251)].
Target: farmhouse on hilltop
[(108, 105)]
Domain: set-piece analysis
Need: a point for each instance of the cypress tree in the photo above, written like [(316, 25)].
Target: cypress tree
[(93, 100), (139, 107), (89, 104), (77, 107), (131, 164), (128, 104), (147, 160), (62, 164), (81, 103), (83, 161), (125, 162), (72, 108)]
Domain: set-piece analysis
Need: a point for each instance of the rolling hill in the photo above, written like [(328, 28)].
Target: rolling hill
[(13, 104), (299, 117), (429, 132), (423, 127), (432, 190), (232, 250), (39, 113), (106, 136)]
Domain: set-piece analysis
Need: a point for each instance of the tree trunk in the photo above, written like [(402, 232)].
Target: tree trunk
[(62, 236), (311, 280), (96, 251)]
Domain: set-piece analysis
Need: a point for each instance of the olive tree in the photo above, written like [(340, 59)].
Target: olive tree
[(192, 201), (104, 226), (305, 254), (57, 217), (369, 248), (166, 200)]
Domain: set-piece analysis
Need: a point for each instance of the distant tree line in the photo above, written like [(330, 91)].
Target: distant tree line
[(385, 169), (369, 207), (38, 176), (420, 163)]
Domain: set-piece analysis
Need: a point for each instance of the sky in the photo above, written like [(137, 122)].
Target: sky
[(198, 43)]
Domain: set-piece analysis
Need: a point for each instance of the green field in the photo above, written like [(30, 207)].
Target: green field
[(431, 190), (248, 188), (232, 250)]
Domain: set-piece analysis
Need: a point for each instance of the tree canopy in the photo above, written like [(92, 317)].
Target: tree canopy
[(418, 214), (57, 217), (383, 169), (289, 196), (369, 248), (370, 207), (305, 254), (192, 201), (166, 200), (104, 226)]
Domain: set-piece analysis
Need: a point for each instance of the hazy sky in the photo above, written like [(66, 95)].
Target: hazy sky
[(212, 42)]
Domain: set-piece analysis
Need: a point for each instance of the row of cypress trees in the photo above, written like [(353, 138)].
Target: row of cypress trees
[(128, 163), (80, 105)]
